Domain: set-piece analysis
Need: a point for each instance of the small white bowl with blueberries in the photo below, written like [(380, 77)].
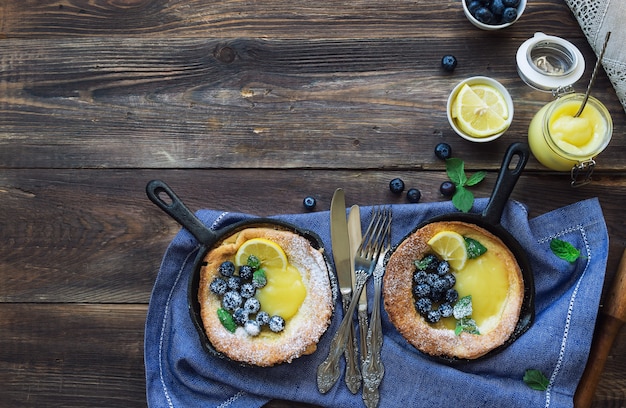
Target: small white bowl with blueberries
[(493, 14)]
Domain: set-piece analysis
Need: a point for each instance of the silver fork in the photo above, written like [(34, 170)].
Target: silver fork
[(365, 262), (373, 369)]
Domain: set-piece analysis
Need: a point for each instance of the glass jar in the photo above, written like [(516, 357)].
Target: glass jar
[(562, 142)]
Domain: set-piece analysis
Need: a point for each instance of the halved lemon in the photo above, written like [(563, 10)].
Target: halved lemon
[(269, 253), (450, 246), (477, 117)]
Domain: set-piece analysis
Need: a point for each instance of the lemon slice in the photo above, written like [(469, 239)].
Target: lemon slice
[(493, 98), (451, 247), (269, 253), (475, 116)]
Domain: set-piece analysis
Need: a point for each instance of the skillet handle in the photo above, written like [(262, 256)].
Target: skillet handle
[(176, 209), (507, 178)]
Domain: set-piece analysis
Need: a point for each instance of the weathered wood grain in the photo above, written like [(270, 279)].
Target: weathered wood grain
[(71, 355), (93, 103), (264, 19), (93, 236), (226, 101)]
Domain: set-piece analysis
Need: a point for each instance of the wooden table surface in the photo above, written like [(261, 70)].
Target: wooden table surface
[(243, 106)]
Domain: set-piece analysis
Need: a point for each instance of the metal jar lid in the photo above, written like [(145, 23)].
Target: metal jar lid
[(549, 63)]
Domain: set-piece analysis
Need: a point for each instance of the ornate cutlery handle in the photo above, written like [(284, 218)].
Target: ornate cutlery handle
[(328, 370), (373, 368), (353, 374)]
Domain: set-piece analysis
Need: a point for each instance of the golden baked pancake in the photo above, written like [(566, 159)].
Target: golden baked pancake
[(492, 282), (269, 318)]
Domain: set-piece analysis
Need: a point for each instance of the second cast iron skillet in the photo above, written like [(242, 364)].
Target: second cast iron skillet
[(489, 220)]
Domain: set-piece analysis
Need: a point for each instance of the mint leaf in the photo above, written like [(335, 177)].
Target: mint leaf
[(466, 324), (564, 250), (462, 308), (456, 171), (227, 320), (259, 279), (463, 199), (424, 263), (254, 262), (536, 380), (474, 248), (476, 178)]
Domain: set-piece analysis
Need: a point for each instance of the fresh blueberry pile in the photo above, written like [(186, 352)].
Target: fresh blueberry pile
[(493, 12), (237, 287), (433, 288)]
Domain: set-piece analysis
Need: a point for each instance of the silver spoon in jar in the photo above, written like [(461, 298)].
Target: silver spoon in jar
[(593, 75)]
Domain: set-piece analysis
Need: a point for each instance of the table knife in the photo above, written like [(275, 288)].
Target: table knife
[(354, 233), (341, 256)]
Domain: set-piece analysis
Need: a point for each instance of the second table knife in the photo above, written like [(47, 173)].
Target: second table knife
[(354, 232), (341, 255)]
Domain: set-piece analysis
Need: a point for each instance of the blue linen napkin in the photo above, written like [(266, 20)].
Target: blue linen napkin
[(179, 373)]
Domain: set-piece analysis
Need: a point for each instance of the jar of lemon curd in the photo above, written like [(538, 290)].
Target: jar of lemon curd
[(560, 139)]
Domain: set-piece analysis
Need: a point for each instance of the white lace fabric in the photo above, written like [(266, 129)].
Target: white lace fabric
[(596, 18)]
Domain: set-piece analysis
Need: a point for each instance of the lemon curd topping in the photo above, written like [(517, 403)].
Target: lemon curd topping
[(284, 293), (486, 280)]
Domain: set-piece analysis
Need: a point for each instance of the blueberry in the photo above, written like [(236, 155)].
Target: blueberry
[(252, 327), (247, 290), (443, 268), (511, 3), (447, 188), (432, 279), (497, 8), (451, 296), (421, 290), (219, 286), (509, 15), (448, 63), (231, 300), (396, 186), (240, 316), (433, 316), (484, 15), (276, 324), (420, 277), (234, 283), (438, 290), (252, 305), (445, 309), (450, 280), (423, 306), (309, 202), (413, 195), (227, 269), (262, 318), (443, 151), (246, 272), (473, 5)]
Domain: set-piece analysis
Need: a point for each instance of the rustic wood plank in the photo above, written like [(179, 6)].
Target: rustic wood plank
[(124, 103), (93, 236), (268, 19), (71, 355), (61, 355)]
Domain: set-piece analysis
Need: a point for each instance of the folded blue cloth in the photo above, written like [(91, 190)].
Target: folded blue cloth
[(179, 373)]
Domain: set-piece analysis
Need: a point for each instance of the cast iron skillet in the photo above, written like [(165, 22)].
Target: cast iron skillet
[(160, 194), (489, 219)]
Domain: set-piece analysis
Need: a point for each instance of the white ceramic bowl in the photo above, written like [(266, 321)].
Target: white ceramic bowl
[(473, 81), (491, 27)]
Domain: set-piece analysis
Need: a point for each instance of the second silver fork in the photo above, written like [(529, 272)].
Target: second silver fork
[(373, 369), (365, 263)]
